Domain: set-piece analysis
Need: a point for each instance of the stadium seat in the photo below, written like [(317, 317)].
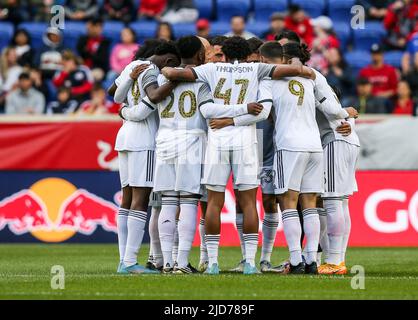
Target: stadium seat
[(343, 32), (258, 28), (36, 31), (229, 8), (184, 29), (357, 60), (219, 28), (72, 31), (263, 9), (111, 30), (314, 8), (6, 34), (372, 33), (340, 10), (205, 8), (144, 29), (394, 58)]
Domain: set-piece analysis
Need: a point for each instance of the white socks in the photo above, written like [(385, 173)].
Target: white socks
[(155, 245), (335, 229), (166, 228), (203, 249), (239, 222), (176, 242), (312, 229), (292, 232), (186, 229), (212, 244), (251, 242), (122, 231), (323, 237), (136, 225), (270, 225), (347, 228)]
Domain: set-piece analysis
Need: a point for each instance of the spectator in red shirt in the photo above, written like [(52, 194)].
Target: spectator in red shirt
[(299, 22), (276, 26), (404, 103), (98, 103), (151, 8), (383, 77)]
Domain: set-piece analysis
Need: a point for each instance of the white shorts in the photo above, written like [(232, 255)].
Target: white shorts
[(340, 159), (155, 200), (299, 171), (136, 168), (219, 164), (267, 177)]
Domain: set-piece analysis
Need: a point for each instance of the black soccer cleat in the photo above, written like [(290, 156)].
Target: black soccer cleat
[(311, 268), (299, 269)]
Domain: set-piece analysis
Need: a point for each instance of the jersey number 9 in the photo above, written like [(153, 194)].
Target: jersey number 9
[(296, 88)]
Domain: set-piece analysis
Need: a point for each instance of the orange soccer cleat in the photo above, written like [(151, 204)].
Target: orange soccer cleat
[(329, 268)]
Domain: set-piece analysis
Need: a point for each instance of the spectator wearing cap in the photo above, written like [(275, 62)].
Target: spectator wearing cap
[(364, 101), (238, 28), (121, 10), (180, 11), (203, 28), (404, 103), (25, 99), (151, 9), (81, 9), (276, 26), (94, 48), (299, 22), (22, 42), (64, 103), (49, 55), (375, 9), (383, 77)]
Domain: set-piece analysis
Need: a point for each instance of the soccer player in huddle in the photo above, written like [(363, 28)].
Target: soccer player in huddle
[(233, 149)]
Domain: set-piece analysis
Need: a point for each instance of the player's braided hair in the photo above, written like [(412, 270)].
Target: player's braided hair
[(293, 49), (236, 48)]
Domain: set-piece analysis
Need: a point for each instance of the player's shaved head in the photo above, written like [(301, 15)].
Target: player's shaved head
[(271, 52), (207, 47)]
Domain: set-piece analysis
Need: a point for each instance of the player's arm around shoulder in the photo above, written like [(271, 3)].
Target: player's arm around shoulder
[(138, 112), (294, 69)]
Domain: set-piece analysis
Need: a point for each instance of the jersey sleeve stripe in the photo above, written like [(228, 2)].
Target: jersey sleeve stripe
[(147, 104), (204, 102), (149, 84), (272, 71), (265, 100), (195, 74)]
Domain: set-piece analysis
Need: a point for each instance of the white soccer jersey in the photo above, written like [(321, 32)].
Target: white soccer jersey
[(136, 135), (233, 83), (294, 108)]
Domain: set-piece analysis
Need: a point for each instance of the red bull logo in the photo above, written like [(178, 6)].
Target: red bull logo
[(53, 210)]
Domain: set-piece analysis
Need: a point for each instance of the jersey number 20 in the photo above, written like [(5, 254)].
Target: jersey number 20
[(166, 113)]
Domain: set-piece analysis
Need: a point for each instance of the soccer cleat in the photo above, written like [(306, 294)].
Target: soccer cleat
[(212, 270), (330, 268), (249, 269), (121, 269), (344, 269), (284, 267), (203, 265), (168, 269), (299, 269), (265, 266), (311, 268), (239, 268), (137, 269)]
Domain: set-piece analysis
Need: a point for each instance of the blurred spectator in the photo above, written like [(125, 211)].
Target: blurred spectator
[(22, 42), (338, 73), (404, 103), (383, 77), (81, 9), (238, 28), (123, 52), (49, 55), (94, 48), (400, 21), (325, 39), (364, 101), (217, 54), (164, 32), (151, 8), (276, 26), (375, 9), (203, 28), (13, 11), (38, 82), (410, 57), (255, 45), (10, 69), (25, 99), (180, 11), (298, 22), (73, 76), (122, 10), (64, 103), (98, 103), (41, 9)]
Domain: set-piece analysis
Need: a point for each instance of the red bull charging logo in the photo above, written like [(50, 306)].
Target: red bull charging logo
[(54, 210)]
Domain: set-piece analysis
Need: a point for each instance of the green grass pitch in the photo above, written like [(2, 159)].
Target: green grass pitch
[(25, 273)]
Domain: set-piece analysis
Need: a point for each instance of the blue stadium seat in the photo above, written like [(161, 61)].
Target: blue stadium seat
[(6, 34), (265, 8), (72, 31), (343, 32), (205, 8), (36, 31), (184, 29), (111, 30), (258, 28), (144, 29), (229, 8), (372, 33), (394, 58), (314, 8), (357, 60), (340, 10), (219, 28)]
